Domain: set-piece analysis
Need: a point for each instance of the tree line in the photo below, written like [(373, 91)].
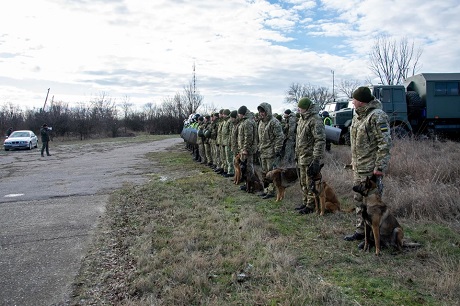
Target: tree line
[(102, 117), (389, 60)]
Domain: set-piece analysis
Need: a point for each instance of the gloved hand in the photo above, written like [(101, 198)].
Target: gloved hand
[(314, 168)]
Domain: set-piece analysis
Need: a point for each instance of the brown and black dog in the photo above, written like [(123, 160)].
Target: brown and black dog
[(282, 178), (325, 198), (238, 173), (378, 221), (253, 182), (240, 169)]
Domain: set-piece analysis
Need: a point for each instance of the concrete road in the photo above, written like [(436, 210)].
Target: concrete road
[(49, 207)]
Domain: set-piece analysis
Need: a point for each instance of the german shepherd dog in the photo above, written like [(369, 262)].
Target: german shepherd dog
[(325, 198), (253, 182), (378, 221), (240, 169), (282, 178)]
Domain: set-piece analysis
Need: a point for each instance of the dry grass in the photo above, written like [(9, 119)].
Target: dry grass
[(196, 239)]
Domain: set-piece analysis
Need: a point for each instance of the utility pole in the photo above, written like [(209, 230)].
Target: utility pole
[(46, 99), (333, 85)]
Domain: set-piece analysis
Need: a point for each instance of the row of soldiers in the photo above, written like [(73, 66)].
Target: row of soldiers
[(217, 142), (297, 143), (266, 140)]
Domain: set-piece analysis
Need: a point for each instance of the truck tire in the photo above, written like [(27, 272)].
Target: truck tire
[(346, 138), (413, 99), (399, 132)]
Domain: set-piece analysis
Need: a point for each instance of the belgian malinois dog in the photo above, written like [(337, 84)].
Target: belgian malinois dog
[(325, 198), (378, 221), (282, 178), (238, 174)]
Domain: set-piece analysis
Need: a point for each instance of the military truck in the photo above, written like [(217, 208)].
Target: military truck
[(426, 104), (335, 105)]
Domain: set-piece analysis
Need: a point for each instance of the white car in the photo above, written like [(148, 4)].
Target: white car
[(21, 140)]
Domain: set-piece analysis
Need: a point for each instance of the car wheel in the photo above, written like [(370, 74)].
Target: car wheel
[(7, 149), (30, 145)]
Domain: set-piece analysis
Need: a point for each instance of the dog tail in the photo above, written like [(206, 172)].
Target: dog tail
[(348, 210), (411, 245)]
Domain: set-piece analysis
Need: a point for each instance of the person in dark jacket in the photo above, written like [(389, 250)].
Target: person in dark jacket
[(44, 132)]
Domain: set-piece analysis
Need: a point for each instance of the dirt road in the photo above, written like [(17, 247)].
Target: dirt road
[(49, 207)]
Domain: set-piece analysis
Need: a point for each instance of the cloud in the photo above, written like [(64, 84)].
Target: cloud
[(244, 51)]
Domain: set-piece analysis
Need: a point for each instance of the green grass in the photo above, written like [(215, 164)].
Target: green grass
[(186, 240)]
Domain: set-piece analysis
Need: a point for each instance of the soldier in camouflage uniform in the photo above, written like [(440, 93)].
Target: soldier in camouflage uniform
[(207, 135), (201, 140), (227, 152), (370, 147), (224, 135), (220, 155), (235, 121), (213, 142), (270, 140), (247, 139), (290, 125), (309, 150)]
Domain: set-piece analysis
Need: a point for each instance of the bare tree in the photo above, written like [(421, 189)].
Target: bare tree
[(392, 62), (319, 95), (348, 87), (191, 99), (295, 92), (126, 106)]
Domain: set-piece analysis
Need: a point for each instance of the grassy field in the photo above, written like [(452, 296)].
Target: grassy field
[(192, 237)]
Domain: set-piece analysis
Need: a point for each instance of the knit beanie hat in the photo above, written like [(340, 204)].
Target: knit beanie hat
[(287, 112), (201, 118), (304, 103), (208, 117), (216, 115), (221, 111), (363, 94), (233, 114), (242, 110), (226, 111)]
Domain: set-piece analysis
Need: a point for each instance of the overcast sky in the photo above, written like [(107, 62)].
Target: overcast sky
[(245, 52)]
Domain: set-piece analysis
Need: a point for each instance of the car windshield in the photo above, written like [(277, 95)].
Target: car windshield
[(19, 134)]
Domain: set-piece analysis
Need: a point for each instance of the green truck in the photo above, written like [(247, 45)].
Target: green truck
[(426, 104)]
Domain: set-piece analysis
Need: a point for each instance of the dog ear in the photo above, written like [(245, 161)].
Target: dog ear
[(357, 189)]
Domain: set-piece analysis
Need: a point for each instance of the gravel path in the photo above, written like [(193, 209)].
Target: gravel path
[(49, 207)]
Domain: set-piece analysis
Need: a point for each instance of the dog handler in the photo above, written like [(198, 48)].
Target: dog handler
[(370, 147), (309, 150)]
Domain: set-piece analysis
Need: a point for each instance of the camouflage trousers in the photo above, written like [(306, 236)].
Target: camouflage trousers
[(268, 164), (202, 152), (358, 200), (223, 158), (215, 153), (308, 197), (229, 156), (207, 150)]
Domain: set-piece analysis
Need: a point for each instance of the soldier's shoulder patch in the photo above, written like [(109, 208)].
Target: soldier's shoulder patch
[(384, 128)]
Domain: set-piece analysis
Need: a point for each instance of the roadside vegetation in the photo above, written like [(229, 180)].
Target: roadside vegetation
[(192, 237)]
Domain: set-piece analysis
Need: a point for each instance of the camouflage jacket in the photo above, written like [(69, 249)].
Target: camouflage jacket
[(247, 134), (225, 131), (270, 134), (370, 139), (290, 127), (220, 125), (310, 137), (234, 135), (213, 127)]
